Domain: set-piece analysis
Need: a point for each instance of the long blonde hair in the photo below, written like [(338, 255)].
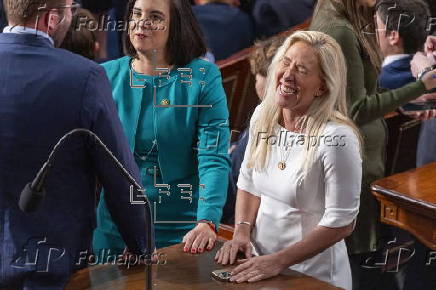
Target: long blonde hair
[(331, 106), (358, 16)]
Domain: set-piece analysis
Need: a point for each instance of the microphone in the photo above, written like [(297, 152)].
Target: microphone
[(34, 192)]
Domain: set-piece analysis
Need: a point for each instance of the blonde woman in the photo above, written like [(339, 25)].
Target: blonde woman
[(299, 185)]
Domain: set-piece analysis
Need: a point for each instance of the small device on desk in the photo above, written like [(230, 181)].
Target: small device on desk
[(222, 275)]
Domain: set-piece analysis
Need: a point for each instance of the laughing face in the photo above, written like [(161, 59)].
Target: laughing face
[(149, 25), (298, 78)]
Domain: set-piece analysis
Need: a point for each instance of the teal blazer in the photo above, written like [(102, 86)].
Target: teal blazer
[(191, 127)]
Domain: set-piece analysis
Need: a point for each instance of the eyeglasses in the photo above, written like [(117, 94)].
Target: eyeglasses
[(370, 29), (74, 8)]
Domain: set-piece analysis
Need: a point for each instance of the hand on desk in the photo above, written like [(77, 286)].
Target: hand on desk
[(230, 249), (199, 238), (257, 268)]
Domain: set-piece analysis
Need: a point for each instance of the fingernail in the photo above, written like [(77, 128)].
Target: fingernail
[(194, 251), (200, 250), (185, 249)]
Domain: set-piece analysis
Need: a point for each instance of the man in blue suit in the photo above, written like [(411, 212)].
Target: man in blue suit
[(274, 16), (46, 92), (226, 27)]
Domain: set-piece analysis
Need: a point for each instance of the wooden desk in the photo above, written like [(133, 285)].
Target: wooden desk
[(183, 271), (408, 201)]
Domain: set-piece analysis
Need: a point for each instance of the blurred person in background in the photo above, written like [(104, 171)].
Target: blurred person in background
[(227, 28), (110, 40), (274, 16), (80, 38)]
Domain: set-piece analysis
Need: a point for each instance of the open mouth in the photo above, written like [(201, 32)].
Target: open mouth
[(286, 90), (140, 35)]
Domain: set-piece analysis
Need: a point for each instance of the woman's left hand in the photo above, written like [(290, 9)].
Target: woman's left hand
[(258, 268), (199, 238)]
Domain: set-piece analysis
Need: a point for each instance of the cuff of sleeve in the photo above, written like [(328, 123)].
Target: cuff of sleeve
[(211, 224), (338, 217), (210, 214)]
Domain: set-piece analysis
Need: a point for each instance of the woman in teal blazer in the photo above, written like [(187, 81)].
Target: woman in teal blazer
[(174, 112)]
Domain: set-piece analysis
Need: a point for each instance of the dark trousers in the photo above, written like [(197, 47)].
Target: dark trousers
[(418, 273)]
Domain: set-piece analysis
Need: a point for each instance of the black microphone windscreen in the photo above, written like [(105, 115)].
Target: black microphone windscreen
[(30, 199)]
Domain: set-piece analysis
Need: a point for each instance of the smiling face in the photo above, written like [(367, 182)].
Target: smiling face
[(149, 25), (298, 78)]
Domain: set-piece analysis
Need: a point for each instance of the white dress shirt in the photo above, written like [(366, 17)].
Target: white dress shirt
[(394, 57), (27, 30)]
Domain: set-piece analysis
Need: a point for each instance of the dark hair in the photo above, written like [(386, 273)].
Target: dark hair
[(185, 42), (407, 17), (81, 39)]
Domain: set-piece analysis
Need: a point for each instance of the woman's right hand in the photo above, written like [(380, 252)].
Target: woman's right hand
[(230, 249)]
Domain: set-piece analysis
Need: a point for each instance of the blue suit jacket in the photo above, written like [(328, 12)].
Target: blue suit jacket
[(396, 75), (227, 29), (274, 16), (45, 93)]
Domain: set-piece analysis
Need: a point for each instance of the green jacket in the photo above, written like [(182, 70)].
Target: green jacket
[(367, 109), (192, 141)]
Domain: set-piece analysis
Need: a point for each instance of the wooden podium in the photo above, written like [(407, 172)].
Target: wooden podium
[(408, 201), (183, 271)]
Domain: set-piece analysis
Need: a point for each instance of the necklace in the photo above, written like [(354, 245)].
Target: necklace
[(283, 157)]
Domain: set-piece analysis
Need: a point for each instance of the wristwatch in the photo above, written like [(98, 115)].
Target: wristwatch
[(425, 70)]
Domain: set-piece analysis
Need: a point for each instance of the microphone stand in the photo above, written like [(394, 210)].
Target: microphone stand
[(34, 192)]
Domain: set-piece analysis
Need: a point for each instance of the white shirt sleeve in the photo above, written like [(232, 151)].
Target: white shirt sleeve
[(245, 178), (342, 166)]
